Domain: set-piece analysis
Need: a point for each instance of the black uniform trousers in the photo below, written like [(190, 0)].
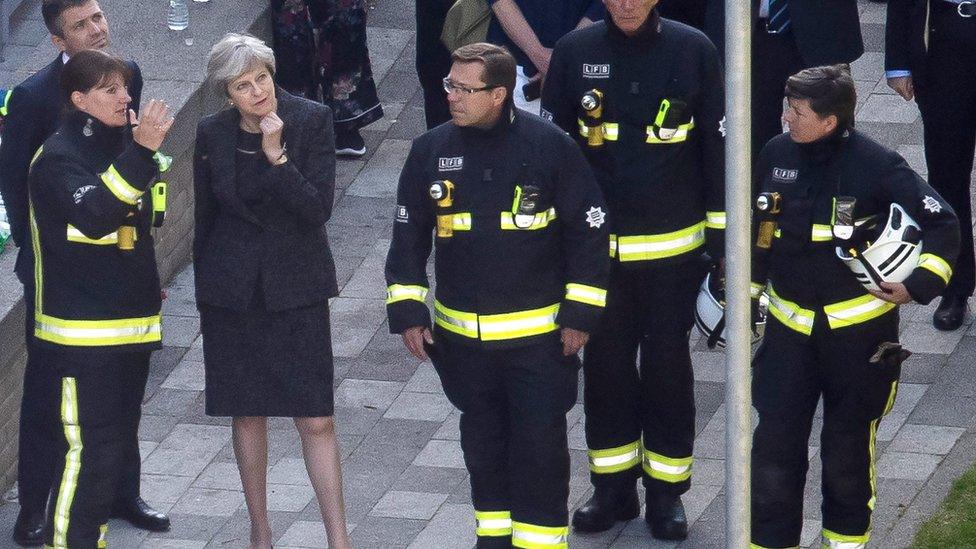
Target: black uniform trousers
[(790, 374), (775, 58), (40, 431), (99, 399), (650, 309), (513, 405), (947, 101), (433, 59)]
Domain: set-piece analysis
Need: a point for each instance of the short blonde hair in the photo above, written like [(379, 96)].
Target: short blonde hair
[(234, 55)]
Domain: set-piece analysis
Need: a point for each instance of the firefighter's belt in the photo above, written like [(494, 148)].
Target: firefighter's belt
[(657, 246), (497, 327)]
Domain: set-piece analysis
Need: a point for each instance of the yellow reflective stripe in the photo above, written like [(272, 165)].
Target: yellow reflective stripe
[(756, 289), (74, 235), (95, 333), (666, 468), (821, 233), (611, 130), (72, 461), (38, 260), (37, 154), (613, 245), (458, 322), (613, 460), (102, 535), (590, 295), (120, 187), (461, 221), (714, 220), (855, 311), (6, 101), (530, 536), (778, 233), (540, 220), (660, 246), (680, 135), (493, 523), (833, 540), (937, 265), (872, 449), (403, 292), (790, 314), (518, 324)]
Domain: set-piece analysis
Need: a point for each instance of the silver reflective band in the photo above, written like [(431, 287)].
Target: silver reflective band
[(621, 459), (538, 537), (835, 544), (669, 469), (495, 524), (98, 333)]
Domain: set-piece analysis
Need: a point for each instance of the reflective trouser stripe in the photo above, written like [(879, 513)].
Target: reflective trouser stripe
[(403, 292), (590, 295), (120, 187), (872, 445), (611, 130), (855, 311), (493, 523), (937, 265), (660, 246), (666, 468), (821, 233), (715, 220), (458, 322), (72, 462), (680, 135), (833, 540), (96, 333), (790, 314), (530, 536), (5, 102), (102, 535), (540, 220), (37, 154), (614, 460), (74, 235)]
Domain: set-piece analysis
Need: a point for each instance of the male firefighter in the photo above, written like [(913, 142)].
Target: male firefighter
[(643, 96), (847, 232), (521, 268)]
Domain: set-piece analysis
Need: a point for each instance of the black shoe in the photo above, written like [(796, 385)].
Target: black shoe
[(666, 517), (350, 144), (605, 508), (139, 514), (951, 312), (29, 529)]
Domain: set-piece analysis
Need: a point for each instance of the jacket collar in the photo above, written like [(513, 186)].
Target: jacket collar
[(81, 125), (504, 123)]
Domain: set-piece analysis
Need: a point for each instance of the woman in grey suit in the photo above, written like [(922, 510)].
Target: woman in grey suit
[(264, 179)]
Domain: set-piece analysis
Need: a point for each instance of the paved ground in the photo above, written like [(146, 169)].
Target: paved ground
[(405, 482)]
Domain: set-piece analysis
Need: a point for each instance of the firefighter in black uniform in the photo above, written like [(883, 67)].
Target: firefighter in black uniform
[(643, 96), (521, 269), (97, 306), (827, 334)]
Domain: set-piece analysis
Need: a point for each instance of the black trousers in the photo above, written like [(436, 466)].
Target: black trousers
[(99, 400), (513, 407), (790, 373), (775, 58), (947, 101), (40, 430), (433, 59), (650, 400)]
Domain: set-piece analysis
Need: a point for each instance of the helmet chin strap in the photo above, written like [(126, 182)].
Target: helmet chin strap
[(875, 277), (716, 332)]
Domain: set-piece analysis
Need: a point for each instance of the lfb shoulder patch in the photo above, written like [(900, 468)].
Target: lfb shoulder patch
[(401, 214), (81, 192)]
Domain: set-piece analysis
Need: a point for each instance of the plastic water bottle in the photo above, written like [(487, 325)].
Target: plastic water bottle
[(179, 15)]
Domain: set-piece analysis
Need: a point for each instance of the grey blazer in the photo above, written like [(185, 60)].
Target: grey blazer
[(282, 246)]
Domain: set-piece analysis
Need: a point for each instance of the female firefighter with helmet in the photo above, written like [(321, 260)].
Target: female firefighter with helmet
[(845, 233)]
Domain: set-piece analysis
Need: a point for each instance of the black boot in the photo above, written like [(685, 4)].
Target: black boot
[(605, 508), (666, 517), (139, 514), (950, 314), (29, 529)]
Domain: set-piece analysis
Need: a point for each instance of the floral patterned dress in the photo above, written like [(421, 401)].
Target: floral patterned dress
[(320, 49)]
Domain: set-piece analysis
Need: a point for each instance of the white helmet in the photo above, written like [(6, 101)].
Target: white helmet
[(710, 312), (889, 255)]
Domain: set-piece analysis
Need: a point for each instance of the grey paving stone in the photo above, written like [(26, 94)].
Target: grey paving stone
[(915, 156), (926, 439), (869, 67), (289, 470), (887, 108), (163, 488), (367, 393), (356, 421), (709, 366), (368, 281), (890, 425), (452, 527), (922, 337), (307, 534), (354, 321), (451, 429), (383, 533), (385, 46), (945, 410), (155, 428), (235, 532), (289, 497), (408, 505), (171, 402), (180, 331), (187, 376), (209, 502), (220, 476), (441, 453), (356, 211), (187, 450), (172, 544), (908, 466), (379, 178), (909, 394), (922, 368), (708, 471), (420, 406), (425, 380), (441, 480), (186, 526)]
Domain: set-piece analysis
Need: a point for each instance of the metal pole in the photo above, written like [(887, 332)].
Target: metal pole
[(738, 205)]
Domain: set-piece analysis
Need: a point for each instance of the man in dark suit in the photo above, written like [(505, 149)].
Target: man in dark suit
[(787, 37), (34, 113), (930, 54)]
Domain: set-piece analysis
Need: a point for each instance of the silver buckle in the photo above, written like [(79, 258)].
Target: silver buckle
[(960, 11)]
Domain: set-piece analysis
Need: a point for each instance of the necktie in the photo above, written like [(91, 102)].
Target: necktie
[(779, 16)]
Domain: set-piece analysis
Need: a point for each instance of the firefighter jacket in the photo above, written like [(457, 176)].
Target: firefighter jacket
[(648, 112), (521, 235), (804, 275), (86, 185)]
